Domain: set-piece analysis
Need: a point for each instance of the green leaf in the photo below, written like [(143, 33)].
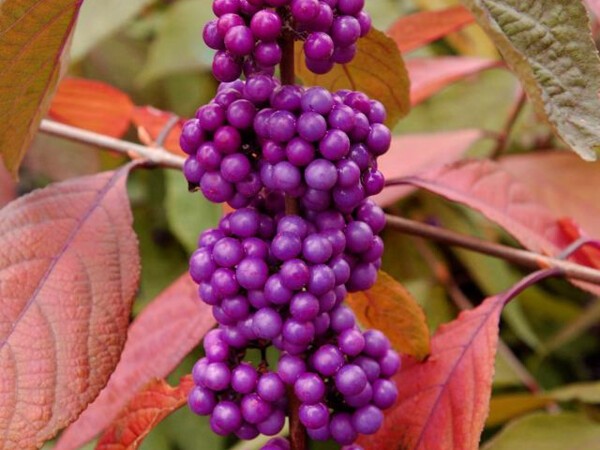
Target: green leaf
[(34, 35), (178, 46), (101, 18), (549, 46), (565, 431), (377, 70), (188, 214)]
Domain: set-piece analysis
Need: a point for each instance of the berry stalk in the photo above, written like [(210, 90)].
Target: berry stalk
[(288, 76)]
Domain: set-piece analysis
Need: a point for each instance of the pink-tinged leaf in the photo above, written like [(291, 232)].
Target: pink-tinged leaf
[(69, 271), (160, 337), (412, 154), (151, 405), (490, 189), (563, 183), (485, 186), (594, 7), (154, 122), (8, 187), (92, 105), (416, 30), (34, 36), (443, 402), (428, 76)]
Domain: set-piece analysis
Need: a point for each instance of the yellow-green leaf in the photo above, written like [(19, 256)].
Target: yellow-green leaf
[(565, 431), (549, 46), (584, 392), (34, 34), (377, 70), (389, 307), (508, 406)]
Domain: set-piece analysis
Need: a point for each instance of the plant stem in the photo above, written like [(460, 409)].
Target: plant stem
[(155, 155), (288, 76), (521, 257), (444, 276), (513, 115)]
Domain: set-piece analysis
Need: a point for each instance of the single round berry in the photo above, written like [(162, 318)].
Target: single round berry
[(350, 380), (327, 360), (314, 416), (202, 401), (226, 418), (244, 378), (309, 388)]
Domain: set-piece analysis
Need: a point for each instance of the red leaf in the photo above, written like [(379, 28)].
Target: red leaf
[(151, 405), (154, 122), (443, 403), (416, 30), (92, 105), (430, 75), (588, 255), (161, 336), (412, 154), (69, 270)]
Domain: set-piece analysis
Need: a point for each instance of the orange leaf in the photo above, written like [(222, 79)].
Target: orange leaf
[(154, 121), (443, 402), (160, 337), (34, 35), (92, 105), (151, 405), (378, 70), (69, 271), (428, 76), (389, 307), (416, 30), (411, 154)]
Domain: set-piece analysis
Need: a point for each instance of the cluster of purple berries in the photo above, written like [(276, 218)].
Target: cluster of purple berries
[(280, 280), (309, 144), (246, 34), (297, 165)]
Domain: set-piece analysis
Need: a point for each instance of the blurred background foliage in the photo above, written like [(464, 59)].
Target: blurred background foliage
[(153, 51)]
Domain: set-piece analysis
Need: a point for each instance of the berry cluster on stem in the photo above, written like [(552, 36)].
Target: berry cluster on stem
[(297, 165)]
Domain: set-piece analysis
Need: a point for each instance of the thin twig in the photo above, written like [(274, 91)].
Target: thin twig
[(513, 115), (442, 273), (521, 257), (161, 157), (155, 155)]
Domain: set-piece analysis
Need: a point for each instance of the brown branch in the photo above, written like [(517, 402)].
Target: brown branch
[(154, 155), (513, 115), (443, 275), (523, 258)]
